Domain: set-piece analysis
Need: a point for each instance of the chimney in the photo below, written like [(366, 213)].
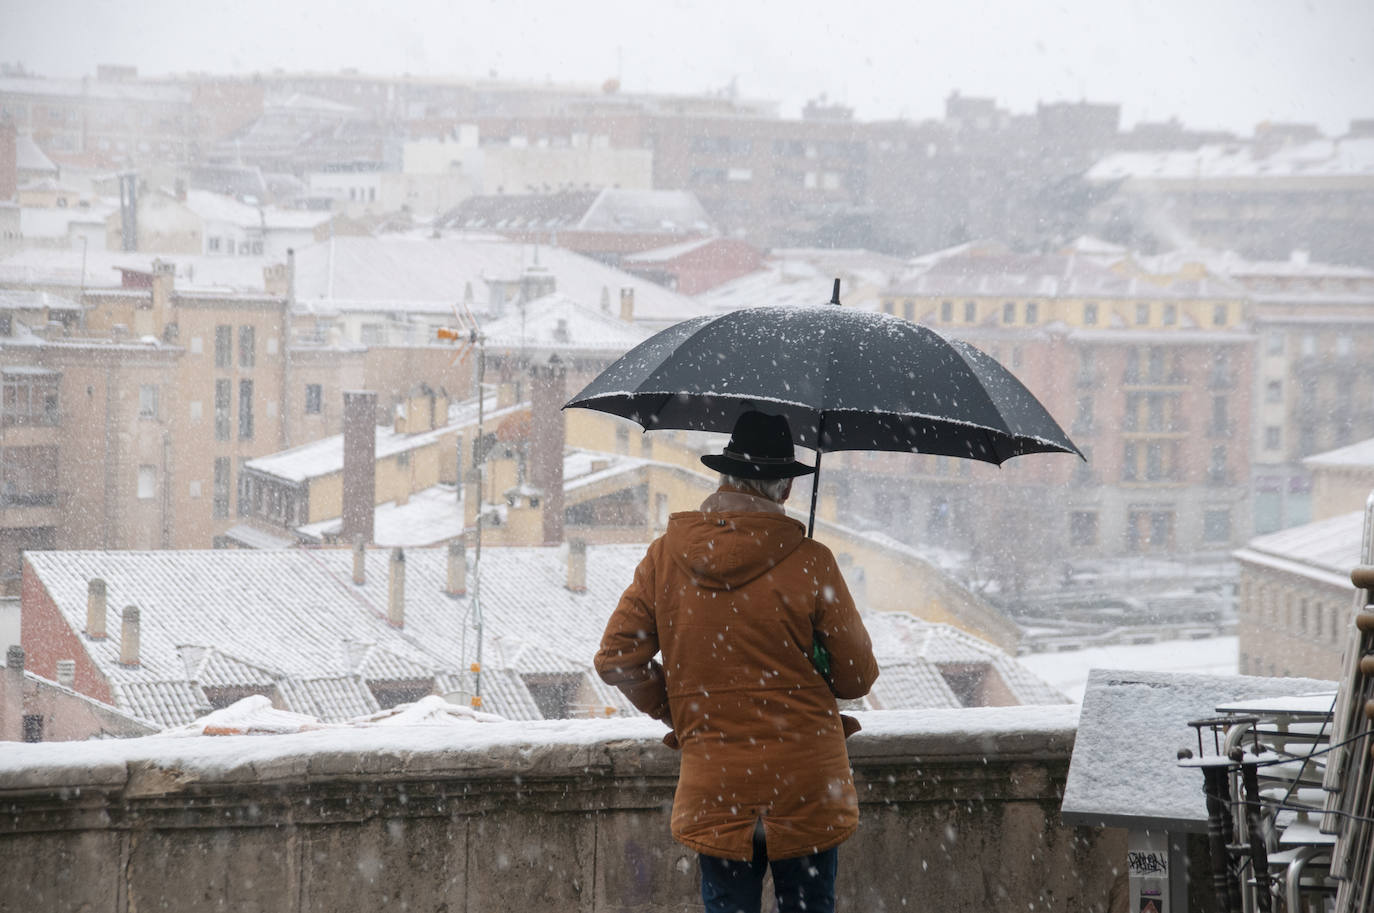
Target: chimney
[(359, 464), (577, 565), (276, 279), (95, 609), (290, 275), (627, 304), (128, 210), (548, 427), (66, 673), (456, 581), (9, 160), (396, 590), (12, 710), (164, 281), (359, 560), (129, 636)]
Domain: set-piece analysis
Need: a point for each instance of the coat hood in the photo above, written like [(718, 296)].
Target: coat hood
[(727, 549)]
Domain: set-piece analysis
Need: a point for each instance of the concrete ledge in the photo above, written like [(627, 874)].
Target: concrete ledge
[(960, 811)]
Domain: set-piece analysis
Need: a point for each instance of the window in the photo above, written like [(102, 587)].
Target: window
[(1216, 525), (197, 345), (29, 396), (247, 353), (147, 482), (909, 310), (1273, 391), (1032, 312), (1309, 344), (1142, 313), (372, 334), (314, 398), (1083, 528), (224, 346), (1083, 421), (1273, 343), (1216, 470), (147, 401), (1009, 312), (1219, 315), (970, 311), (1128, 462), (221, 500), (245, 410), (212, 244), (1343, 345), (946, 311), (222, 393), (1219, 417), (1090, 314), (1170, 315), (28, 476), (1271, 437), (33, 727)]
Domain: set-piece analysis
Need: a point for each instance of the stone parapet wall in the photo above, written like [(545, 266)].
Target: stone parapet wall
[(960, 812)]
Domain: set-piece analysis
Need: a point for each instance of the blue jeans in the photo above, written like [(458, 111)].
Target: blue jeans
[(806, 883)]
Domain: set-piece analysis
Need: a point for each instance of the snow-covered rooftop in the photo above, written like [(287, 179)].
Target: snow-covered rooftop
[(1318, 158), (431, 516), (432, 275), (295, 619), (325, 456), (1359, 455), (42, 266), (559, 323), (1325, 551), (621, 210)]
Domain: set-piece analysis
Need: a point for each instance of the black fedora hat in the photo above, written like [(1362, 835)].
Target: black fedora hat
[(760, 448)]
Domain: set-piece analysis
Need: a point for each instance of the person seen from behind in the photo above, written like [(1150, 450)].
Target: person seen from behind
[(759, 636)]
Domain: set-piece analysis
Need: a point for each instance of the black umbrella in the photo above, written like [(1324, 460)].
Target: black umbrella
[(845, 379)]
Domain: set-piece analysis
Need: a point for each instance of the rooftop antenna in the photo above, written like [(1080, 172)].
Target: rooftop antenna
[(470, 338)]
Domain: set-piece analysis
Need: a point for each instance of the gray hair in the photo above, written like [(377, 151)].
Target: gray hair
[(772, 489)]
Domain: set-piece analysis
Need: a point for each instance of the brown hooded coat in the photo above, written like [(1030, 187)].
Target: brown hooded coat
[(734, 596)]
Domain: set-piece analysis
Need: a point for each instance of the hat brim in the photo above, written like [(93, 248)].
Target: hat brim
[(743, 469)]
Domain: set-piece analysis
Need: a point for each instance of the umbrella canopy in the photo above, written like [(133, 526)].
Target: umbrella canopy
[(845, 379)]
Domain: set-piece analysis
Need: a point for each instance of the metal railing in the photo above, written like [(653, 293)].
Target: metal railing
[(1350, 767)]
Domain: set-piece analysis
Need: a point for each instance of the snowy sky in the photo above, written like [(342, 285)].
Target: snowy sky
[(1219, 63)]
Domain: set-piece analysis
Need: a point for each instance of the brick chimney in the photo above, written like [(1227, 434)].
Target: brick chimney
[(548, 426), (66, 673), (9, 160), (359, 464), (129, 635), (95, 609), (456, 580), (359, 560), (577, 565), (12, 694), (627, 304), (164, 283), (396, 590)]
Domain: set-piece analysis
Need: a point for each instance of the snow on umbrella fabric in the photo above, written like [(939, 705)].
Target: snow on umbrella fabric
[(845, 380)]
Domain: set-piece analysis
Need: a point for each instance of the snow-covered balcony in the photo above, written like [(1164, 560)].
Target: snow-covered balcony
[(961, 811)]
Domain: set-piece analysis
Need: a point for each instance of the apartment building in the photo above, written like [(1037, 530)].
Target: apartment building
[(1295, 601), (1149, 373)]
